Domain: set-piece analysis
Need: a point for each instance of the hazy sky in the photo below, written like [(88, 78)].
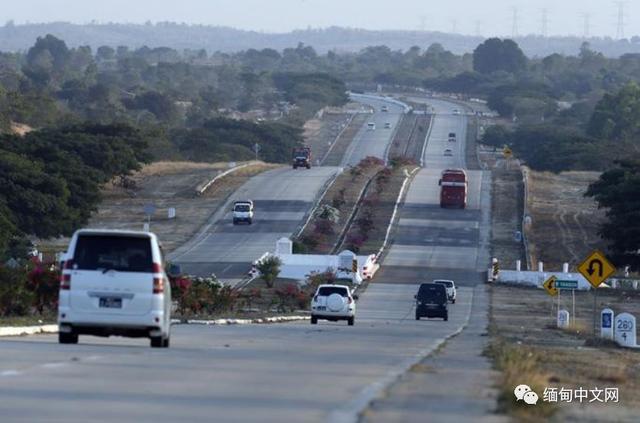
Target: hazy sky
[(490, 17)]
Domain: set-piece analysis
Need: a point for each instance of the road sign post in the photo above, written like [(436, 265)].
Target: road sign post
[(596, 268)]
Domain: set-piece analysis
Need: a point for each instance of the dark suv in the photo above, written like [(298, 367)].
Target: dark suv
[(431, 301)]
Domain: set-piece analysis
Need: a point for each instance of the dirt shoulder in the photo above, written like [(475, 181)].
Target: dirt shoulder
[(565, 223), (528, 349), (167, 185), (506, 217)]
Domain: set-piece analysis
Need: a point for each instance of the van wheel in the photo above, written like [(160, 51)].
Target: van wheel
[(157, 342), (295, 167), (314, 320), (417, 317), (165, 342), (250, 221), (446, 317), (453, 301), (67, 338), (235, 222), (308, 166), (351, 321)]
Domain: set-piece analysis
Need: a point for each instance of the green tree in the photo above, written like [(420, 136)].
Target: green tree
[(499, 55), (618, 191), (617, 116)]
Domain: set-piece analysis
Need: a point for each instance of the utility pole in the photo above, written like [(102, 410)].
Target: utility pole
[(544, 30), (620, 25), (423, 22), (587, 25), (454, 26), (514, 24)]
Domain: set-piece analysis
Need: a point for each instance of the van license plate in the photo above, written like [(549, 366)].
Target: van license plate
[(111, 302)]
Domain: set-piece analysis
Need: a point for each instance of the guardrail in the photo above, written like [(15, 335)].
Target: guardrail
[(200, 189)]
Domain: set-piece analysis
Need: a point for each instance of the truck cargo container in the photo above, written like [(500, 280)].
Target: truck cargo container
[(453, 188)]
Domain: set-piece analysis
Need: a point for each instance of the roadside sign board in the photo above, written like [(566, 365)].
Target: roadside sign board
[(550, 286), (564, 284), (596, 268)]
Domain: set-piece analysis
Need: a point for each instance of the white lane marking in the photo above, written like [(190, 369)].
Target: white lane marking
[(53, 365), (350, 413), (10, 373)]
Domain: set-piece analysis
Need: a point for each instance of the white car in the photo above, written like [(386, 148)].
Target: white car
[(456, 111), (384, 109), (451, 288), (243, 212), (114, 283), (371, 126), (448, 152), (387, 125), (333, 302)]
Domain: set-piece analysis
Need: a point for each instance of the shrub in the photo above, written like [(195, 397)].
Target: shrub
[(44, 281), (338, 199), (290, 298), (324, 227), (322, 278), (15, 298), (269, 269)]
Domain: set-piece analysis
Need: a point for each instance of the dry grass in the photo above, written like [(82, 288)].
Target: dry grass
[(523, 329), (506, 216), (564, 222)]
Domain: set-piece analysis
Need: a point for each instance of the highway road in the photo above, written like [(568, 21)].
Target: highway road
[(376, 142), (288, 372), (268, 373), (429, 242), (282, 200)]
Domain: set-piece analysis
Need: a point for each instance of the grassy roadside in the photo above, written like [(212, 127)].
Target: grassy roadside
[(45, 319), (527, 348)]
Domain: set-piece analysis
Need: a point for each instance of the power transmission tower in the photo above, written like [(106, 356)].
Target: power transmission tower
[(587, 25), (620, 25), (545, 23), (423, 23), (514, 26), (454, 26), (478, 28)]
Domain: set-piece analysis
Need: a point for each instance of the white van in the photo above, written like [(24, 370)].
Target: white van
[(243, 212), (371, 126), (113, 283)]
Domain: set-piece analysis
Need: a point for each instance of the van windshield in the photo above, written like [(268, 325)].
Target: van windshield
[(242, 208), (109, 252)]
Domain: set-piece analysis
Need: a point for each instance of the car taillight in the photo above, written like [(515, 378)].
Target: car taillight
[(158, 285), (157, 268), (65, 278)]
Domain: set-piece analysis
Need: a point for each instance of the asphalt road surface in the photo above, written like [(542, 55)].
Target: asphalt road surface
[(430, 242), (368, 142), (290, 372), (282, 200)]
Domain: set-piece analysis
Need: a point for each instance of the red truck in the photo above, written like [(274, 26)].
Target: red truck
[(301, 157), (453, 188)]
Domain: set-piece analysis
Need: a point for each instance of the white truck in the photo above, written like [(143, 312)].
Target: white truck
[(243, 212)]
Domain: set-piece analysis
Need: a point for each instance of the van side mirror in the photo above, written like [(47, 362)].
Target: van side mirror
[(440, 182), (415, 296)]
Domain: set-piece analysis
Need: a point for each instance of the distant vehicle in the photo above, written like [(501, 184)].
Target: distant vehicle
[(114, 283), (450, 286), (371, 126), (456, 111), (387, 125), (243, 212), (301, 157), (333, 302), (384, 109), (431, 301), (453, 188), (452, 136), (448, 152)]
